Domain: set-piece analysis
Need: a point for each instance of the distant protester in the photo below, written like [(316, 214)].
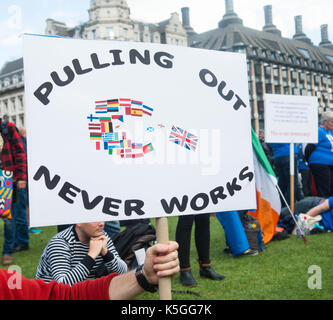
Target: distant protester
[(202, 242), (82, 251), (320, 156)]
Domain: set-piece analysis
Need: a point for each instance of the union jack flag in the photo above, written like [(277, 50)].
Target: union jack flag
[(183, 138)]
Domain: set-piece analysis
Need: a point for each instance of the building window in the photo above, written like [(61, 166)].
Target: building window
[(22, 119), (110, 33), (125, 32), (293, 75), (330, 58), (94, 34), (304, 52), (276, 72), (15, 79), (6, 82)]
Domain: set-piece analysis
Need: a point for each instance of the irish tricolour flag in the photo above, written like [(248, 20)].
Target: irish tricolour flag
[(268, 199)]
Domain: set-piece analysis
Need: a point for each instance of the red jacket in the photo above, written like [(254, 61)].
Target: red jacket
[(15, 287), (13, 156)]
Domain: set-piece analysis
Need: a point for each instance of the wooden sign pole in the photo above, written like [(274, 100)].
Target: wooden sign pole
[(162, 235)]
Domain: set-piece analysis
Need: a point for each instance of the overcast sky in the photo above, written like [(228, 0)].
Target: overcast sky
[(17, 17)]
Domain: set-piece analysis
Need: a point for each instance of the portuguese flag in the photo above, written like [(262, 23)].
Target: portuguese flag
[(148, 148), (268, 199)]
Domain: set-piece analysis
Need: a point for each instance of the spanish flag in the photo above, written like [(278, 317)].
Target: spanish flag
[(136, 112)]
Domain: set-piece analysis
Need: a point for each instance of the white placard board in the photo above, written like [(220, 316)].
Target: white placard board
[(119, 130), (291, 119)]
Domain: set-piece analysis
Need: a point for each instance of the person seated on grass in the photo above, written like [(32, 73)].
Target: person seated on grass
[(82, 251), (308, 207), (325, 209), (161, 261)]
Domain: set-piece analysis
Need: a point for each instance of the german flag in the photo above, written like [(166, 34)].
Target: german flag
[(113, 103)]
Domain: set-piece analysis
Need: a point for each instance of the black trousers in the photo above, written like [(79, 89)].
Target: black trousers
[(323, 176), (201, 236)]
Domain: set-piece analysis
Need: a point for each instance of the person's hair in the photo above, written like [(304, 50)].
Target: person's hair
[(326, 116)]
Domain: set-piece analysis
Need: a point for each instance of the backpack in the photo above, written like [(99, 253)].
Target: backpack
[(8, 193), (253, 231), (134, 237)]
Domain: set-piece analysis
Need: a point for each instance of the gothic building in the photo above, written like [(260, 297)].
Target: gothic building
[(110, 20), (276, 64)]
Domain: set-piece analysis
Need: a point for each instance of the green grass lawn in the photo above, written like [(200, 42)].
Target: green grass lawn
[(279, 272)]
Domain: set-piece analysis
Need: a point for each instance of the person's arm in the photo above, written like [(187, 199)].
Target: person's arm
[(310, 147), (161, 261), (319, 209), (111, 258), (15, 287), (62, 269), (19, 157)]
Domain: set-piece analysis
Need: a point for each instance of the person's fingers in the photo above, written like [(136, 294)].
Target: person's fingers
[(160, 249), (173, 255), (167, 265), (172, 270), (173, 245)]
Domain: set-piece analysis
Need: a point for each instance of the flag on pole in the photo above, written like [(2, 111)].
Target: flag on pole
[(268, 199)]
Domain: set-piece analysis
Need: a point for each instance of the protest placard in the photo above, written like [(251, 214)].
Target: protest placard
[(120, 130), (291, 119)]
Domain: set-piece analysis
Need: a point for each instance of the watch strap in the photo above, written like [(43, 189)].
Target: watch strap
[(142, 281)]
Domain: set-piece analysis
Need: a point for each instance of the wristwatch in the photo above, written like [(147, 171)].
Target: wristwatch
[(142, 281)]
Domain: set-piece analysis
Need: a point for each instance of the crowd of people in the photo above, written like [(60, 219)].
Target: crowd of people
[(313, 169), (83, 257)]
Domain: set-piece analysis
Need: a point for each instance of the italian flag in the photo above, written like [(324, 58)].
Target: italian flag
[(268, 199)]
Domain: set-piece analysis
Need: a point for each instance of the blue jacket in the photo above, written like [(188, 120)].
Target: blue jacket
[(327, 216), (323, 153), (282, 149)]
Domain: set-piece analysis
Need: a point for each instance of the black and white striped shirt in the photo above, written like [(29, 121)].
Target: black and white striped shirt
[(66, 260)]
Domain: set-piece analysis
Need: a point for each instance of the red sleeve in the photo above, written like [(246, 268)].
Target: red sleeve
[(15, 287)]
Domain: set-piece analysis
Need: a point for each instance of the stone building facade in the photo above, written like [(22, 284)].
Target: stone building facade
[(12, 92), (111, 20), (108, 20), (276, 64)]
